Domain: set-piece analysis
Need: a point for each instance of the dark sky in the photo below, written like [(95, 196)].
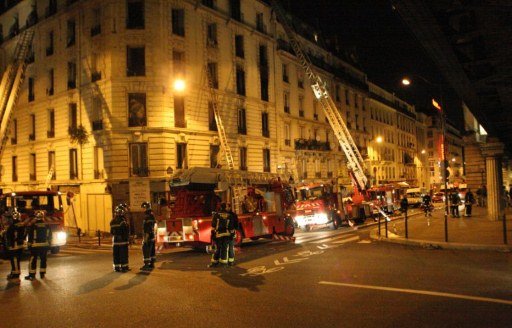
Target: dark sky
[(385, 48)]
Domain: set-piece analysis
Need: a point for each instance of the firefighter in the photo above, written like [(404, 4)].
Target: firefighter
[(222, 225), (148, 242), (39, 241), (232, 240), (13, 237), (120, 236)]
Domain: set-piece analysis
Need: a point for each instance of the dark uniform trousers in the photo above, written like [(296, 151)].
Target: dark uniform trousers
[(221, 253), (41, 253), (120, 255), (15, 257), (148, 251)]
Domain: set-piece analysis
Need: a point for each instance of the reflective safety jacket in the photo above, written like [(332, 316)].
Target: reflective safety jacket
[(149, 227), (222, 224), (39, 234), (14, 236), (119, 230)]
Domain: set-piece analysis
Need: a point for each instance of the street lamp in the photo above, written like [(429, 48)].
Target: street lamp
[(179, 85), (439, 106)]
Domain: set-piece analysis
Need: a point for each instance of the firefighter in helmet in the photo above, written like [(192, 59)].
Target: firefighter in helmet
[(39, 242), (120, 236), (12, 237), (232, 239), (148, 242), (222, 225)]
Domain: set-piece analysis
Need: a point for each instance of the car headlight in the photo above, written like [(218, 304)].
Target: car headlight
[(61, 236), (321, 218)]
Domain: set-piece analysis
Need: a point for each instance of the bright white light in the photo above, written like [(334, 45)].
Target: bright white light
[(379, 139), (406, 81), (453, 159), (423, 151), (179, 85)]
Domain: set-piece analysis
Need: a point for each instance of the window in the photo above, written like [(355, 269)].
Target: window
[(235, 10), (287, 137), (14, 138), (239, 46), (32, 135), (242, 127), (212, 123), (96, 22), (214, 154), (263, 55), (266, 160), (264, 125), (71, 34), (51, 164), (286, 101), (51, 124), (32, 167), (97, 113), (243, 158), (139, 159), (285, 73), (240, 80), (95, 71), (98, 163), (49, 47), (14, 168), (260, 25), (315, 111), (356, 98), (302, 132), (31, 95), (135, 61), (211, 39), (135, 14), (73, 116), (301, 106), (347, 99), (178, 63), (208, 3), (51, 9), (181, 156), (137, 109), (178, 22), (71, 75), (51, 80), (212, 75), (179, 112), (300, 80)]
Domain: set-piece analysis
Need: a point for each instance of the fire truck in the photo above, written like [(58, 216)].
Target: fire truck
[(27, 202), (262, 205), (316, 206)]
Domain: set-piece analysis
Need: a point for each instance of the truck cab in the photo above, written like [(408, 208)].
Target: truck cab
[(316, 207)]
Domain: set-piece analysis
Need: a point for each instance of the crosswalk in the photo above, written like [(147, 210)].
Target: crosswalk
[(341, 237), (71, 250)]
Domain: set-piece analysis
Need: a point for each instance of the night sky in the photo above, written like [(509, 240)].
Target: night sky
[(384, 47)]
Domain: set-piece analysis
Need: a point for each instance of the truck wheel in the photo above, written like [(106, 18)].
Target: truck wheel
[(55, 250), (308, 228), (239, 238)]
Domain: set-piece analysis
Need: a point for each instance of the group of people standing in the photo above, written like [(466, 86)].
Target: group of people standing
[(223, 232), (39, 235)]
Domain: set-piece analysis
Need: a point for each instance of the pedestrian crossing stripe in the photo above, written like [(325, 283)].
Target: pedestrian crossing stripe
[(327, 240), (348, 240)]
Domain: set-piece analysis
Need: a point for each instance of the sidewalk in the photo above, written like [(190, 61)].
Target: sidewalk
[(477, 232)]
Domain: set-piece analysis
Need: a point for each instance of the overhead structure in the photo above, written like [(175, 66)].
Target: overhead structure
[(11, 83)]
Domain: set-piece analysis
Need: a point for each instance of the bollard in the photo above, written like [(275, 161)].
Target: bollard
[(406, 228), (386, 227), (505, 241), (98, 234), (79, 232), (379, 225)]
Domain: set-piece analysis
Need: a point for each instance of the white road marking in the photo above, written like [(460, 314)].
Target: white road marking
[(348, 240), (421, 292), (364, 242), (326, 240)]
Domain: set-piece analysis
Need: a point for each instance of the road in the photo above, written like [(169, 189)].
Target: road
[(323, 279)]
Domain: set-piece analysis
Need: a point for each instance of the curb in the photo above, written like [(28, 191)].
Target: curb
[(428, 244)]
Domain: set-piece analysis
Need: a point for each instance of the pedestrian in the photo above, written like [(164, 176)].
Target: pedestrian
[(454, 203), (479, 197), (148, 241), (469, 200), (222, 225), (13, 237), (39, 242), (404, 204), (233, 236), (120, 239)]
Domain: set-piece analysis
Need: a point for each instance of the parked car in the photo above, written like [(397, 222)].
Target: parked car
[(438, 197)]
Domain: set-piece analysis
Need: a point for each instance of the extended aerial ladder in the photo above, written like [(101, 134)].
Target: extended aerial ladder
[(354, 159), (213, 102), (11, 83)]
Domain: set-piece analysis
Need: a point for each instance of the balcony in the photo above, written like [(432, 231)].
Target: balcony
[(32, 137), (50, 134), (95, 30), (97, 125), (312, 144), (140, 171)]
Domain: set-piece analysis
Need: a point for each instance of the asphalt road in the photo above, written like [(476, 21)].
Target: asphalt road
[(325, 279)]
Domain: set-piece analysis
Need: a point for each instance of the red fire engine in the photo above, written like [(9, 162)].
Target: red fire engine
[(262, 204), (27, 202), (317, 206)]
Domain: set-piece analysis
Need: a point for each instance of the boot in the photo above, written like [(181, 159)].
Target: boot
[(213, 265), (30, 277), (12, 277), (42, 274), (145, 267)]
